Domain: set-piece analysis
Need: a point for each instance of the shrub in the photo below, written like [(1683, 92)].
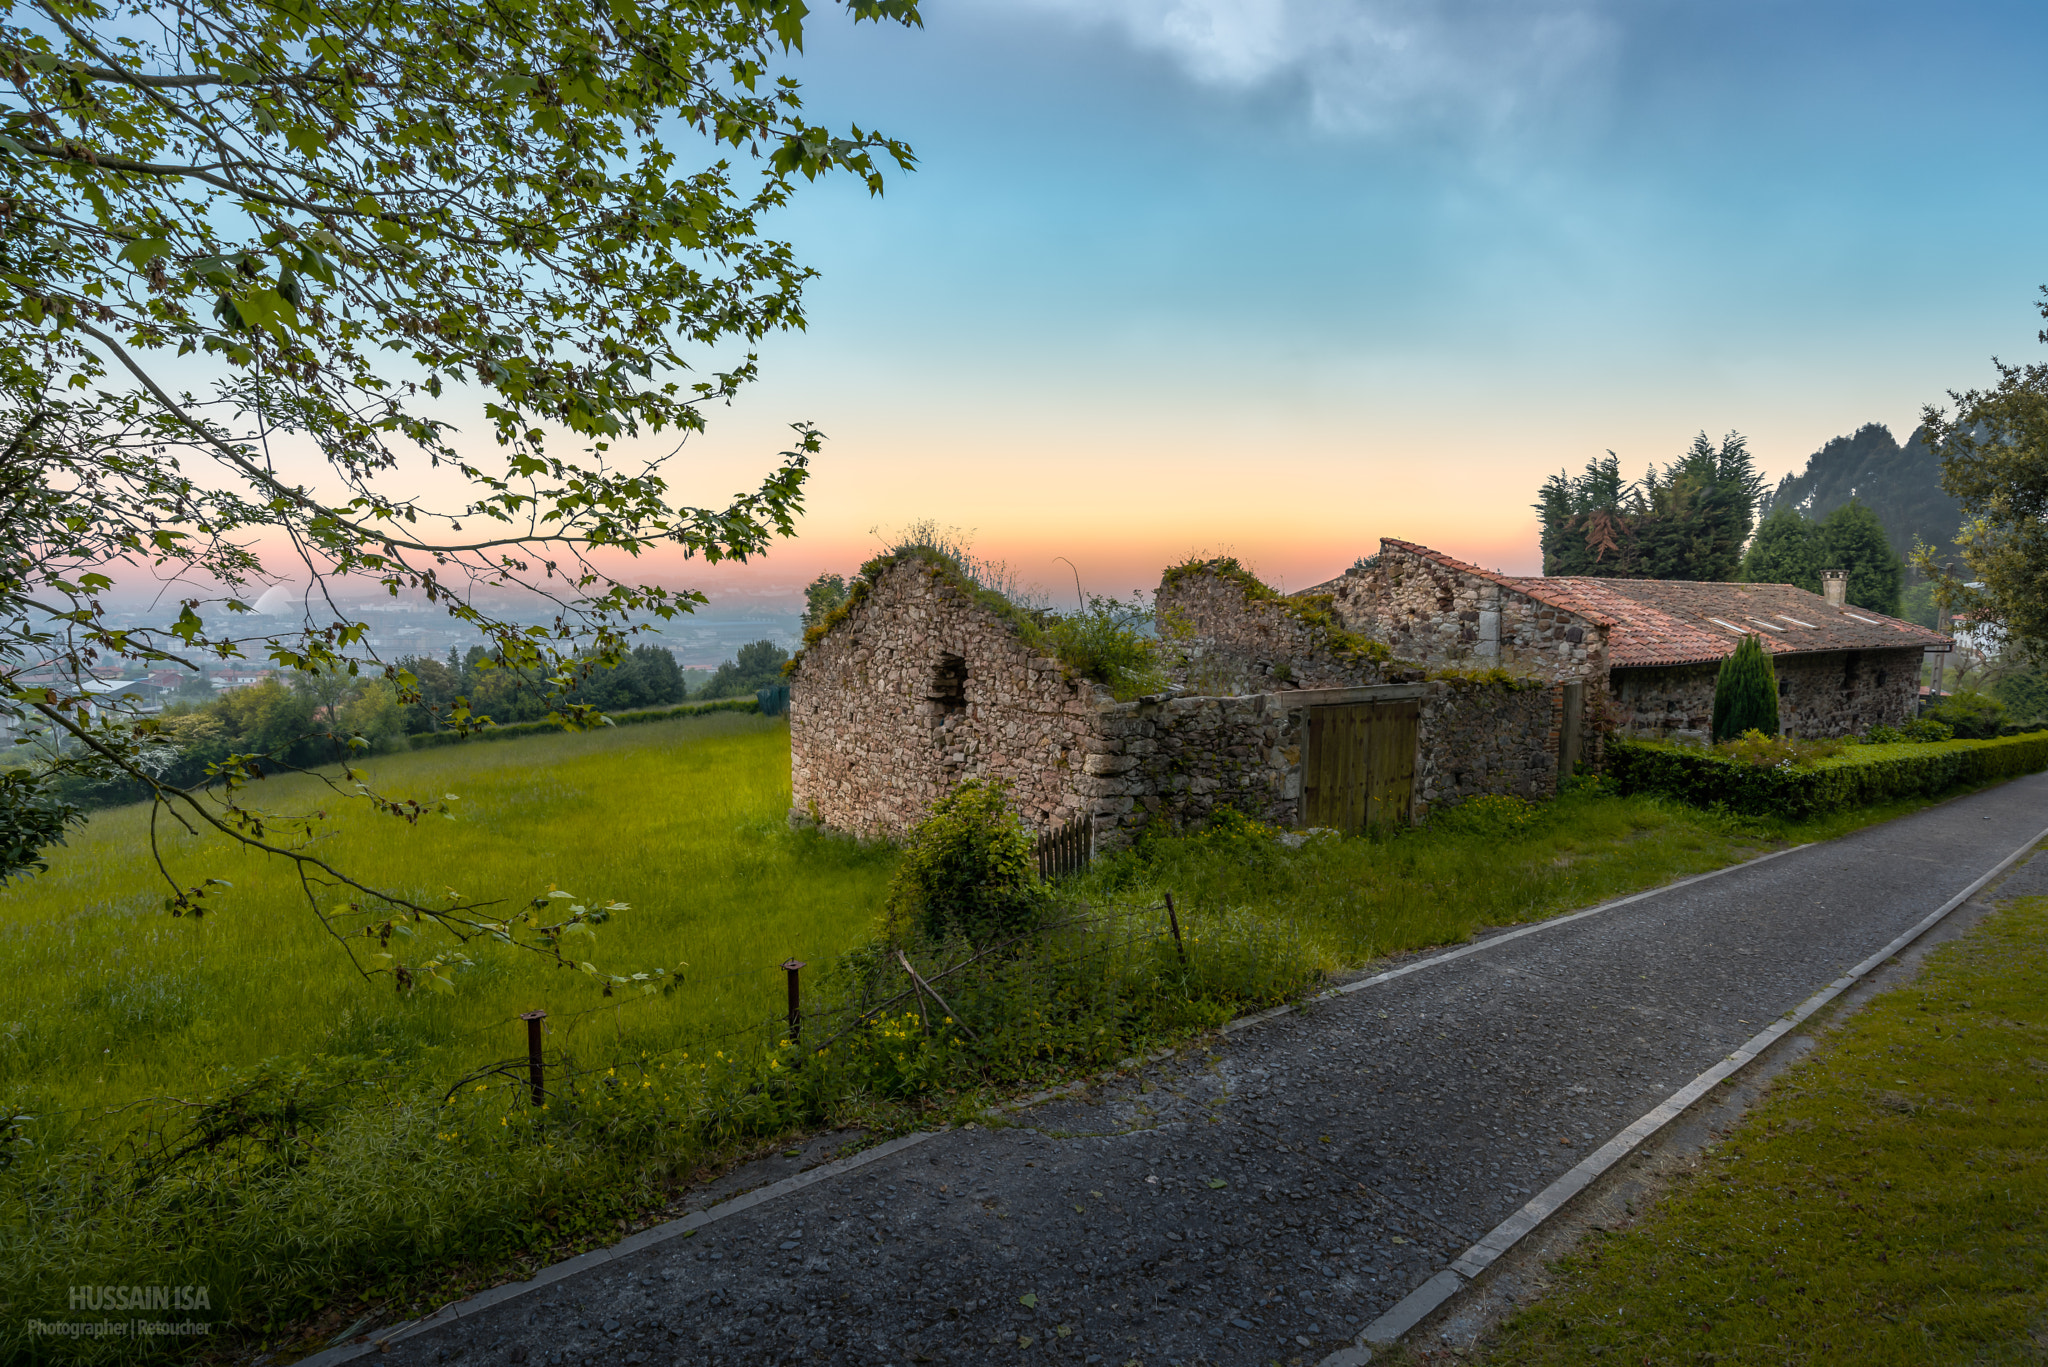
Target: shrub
[(1108, 641), (1923, 731), (1746, 693), (968, 870), (1756, 748), (1859, 776), (1970, 714)]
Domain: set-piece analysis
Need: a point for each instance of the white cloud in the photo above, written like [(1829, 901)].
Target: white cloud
[(1375, 66)]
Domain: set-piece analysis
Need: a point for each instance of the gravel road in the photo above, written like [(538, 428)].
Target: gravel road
[(1260, 1199)]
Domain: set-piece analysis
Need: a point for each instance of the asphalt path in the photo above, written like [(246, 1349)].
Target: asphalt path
[(1263, 1198)]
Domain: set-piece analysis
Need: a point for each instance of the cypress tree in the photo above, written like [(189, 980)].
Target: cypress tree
[(1746, 692)]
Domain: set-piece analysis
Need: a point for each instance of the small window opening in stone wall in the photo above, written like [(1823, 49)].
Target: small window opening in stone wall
[(948, 690)]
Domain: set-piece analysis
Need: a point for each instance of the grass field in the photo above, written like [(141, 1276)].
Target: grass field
[(104, 998), (227, 1102), (1887, 1204)]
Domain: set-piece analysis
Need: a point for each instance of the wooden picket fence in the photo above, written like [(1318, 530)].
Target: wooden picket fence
[(1065, 850)]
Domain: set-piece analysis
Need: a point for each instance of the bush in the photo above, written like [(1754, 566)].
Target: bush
[(1746, 693), (1109, 642), (1970, 714), (1924, 731), (1762, 751), (969, 870), (1861, 775)]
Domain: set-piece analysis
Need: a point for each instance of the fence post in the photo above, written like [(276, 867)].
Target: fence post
[(1174, 921), (796, 1015), (533, 1064)]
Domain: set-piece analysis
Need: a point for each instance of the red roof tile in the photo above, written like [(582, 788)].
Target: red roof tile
[(1678, 621)]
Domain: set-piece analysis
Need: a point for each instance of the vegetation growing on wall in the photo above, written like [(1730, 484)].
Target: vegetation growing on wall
[(1311, 610), (1107, 641)]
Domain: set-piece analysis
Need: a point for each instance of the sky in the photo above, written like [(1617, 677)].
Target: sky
[(1279, 277)]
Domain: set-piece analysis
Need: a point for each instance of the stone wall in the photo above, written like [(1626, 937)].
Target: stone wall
[(1178, 759), (919, 689), (1845, 693), (1820, 694), (1429, 608), (1487, 738), (1224, 642)]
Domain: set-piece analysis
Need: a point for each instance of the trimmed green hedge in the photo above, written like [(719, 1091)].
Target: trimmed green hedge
[(536, 728), (1861, 775)]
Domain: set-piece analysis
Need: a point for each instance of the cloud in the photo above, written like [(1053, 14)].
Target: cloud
[(1375, 66)]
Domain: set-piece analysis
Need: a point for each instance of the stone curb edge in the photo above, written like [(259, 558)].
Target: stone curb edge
[(695, 1220), (1418, 1304)]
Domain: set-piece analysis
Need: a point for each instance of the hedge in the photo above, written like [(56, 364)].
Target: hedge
[(535, 728), (1860, 776)]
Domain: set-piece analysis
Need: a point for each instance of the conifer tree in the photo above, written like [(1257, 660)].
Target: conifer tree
[(1853, 540), (1746, 693), (1786, 551)]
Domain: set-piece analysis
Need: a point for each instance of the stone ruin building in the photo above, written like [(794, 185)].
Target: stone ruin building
[(1646, 651), (1409, 682), (1273, 708)]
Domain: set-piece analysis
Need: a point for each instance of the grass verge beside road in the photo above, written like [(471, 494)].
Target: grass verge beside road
[(1887, 1203)]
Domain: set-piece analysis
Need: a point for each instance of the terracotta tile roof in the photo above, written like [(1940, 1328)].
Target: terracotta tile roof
[(1676, 621)]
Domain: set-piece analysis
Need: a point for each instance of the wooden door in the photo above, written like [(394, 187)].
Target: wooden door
[(1360, 767)]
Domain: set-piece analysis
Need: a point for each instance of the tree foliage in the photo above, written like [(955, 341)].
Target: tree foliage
[(1689, 520), (968, 870), (1901, 484), (755, 666), (1791, 549), (1746, 693), (394, 293), (1994, 460)]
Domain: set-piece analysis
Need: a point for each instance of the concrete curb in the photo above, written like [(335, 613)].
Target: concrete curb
[(1420, 1303)]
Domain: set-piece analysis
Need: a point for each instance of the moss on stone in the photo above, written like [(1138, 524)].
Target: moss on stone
[(1312, 610)]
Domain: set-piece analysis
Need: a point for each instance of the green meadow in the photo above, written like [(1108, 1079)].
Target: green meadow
[(231, 1102), (105, 999)]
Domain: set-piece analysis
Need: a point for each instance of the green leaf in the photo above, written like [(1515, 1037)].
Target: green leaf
[(1029, 1300)]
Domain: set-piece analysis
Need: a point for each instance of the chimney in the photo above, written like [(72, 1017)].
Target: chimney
[(1834, 585)]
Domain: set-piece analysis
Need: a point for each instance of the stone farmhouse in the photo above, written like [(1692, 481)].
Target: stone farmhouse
[(1648, 650), (1273, 707)]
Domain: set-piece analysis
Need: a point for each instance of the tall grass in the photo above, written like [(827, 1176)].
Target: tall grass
[(105, 1000), (227, 1103)]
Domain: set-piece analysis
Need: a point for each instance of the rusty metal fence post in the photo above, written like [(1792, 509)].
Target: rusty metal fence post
[(796, 1015), (534, 1074)]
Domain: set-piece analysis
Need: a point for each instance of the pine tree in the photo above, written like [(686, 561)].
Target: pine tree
[(1853, 540), (1746, 693), (1786, 551), (1686, 521)]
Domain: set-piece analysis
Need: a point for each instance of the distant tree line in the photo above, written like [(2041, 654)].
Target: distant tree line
[(303, 719), (1694, 518)]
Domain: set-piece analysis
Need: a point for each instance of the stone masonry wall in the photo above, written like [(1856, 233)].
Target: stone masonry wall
[(1487, 738), (1178, 759), (919, 689), (1439, 614), (1821, 694), (1221, 642)]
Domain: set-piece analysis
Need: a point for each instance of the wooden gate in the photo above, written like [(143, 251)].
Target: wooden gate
[(1360, 767)]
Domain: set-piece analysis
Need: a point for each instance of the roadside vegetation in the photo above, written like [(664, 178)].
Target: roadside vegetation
[(224, 1101), (1883, 1205)]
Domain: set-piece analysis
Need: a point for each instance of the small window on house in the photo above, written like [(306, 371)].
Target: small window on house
[(949, 686)]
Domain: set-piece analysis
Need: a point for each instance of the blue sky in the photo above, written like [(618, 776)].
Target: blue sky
[(1280, 277)]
